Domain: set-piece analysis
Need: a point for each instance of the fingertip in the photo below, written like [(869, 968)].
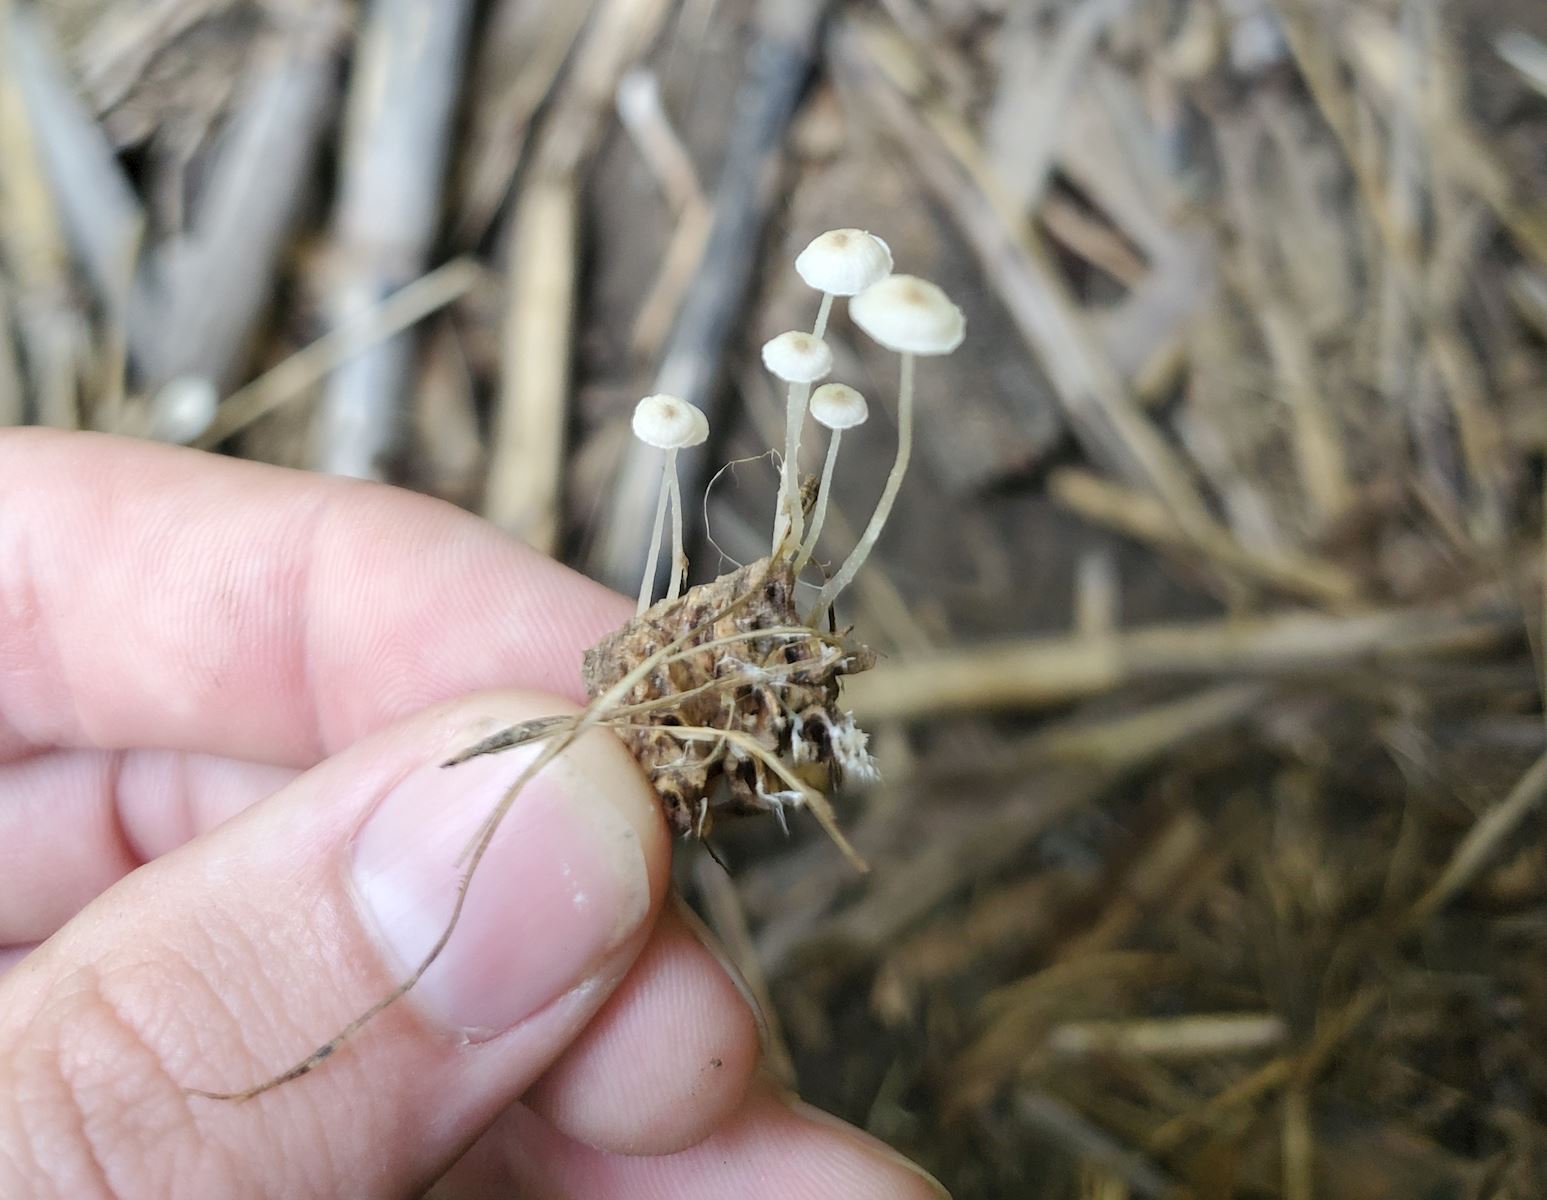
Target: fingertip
[(666, 1061), (771, 1148), (886, 1171)]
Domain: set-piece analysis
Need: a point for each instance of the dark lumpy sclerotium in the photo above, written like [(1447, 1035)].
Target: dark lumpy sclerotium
[(693, 777)]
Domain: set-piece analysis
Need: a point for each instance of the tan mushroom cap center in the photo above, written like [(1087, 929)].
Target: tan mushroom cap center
[(797, 357), (838, 406), (669, 423), (842, 262), (909, 315)]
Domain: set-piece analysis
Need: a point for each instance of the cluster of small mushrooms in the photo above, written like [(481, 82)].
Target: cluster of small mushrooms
[(903, 313), (728, 690)]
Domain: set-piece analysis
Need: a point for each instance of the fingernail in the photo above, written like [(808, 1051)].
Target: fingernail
[(870, 1144), (563, 882)]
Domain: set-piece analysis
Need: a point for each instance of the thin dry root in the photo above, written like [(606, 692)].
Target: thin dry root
[(474, 856), (510, 738)]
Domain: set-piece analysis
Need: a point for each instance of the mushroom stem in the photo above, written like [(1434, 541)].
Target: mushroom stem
[(788, 516), (822, 313), (823, 494), (647, 585), (679, 559), (861, 551)]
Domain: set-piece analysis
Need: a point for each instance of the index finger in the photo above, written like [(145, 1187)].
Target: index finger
[(152, 596)]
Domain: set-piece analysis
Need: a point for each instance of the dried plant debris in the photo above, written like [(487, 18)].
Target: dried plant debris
[(754, 669), (727, 694)]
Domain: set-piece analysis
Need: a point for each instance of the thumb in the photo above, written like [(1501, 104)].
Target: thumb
[(233, 958)]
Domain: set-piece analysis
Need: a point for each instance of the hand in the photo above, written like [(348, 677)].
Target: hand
[(221, 806)]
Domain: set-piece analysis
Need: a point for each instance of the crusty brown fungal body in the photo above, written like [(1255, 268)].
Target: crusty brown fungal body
[(748, 665)]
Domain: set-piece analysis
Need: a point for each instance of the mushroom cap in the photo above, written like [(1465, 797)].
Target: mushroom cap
[(844, 261), (838, 406), (700, 426), (798, 357), (669, 422), (909, 315)]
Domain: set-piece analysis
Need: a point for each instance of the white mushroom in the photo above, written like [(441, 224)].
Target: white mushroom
[(839, 262), (838, 407), (909, 315), (798, 357), (913, 317), (844, 262), (667, 423)]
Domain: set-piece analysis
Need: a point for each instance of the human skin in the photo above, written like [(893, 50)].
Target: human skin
[(225, 690)]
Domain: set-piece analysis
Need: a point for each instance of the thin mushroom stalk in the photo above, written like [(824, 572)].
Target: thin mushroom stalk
[(679, 558), (823, 495), (646, 585), (912, 317), (788, 517), (800, 359), (867, 541), (671, 424), (838, 407), (840, 262)]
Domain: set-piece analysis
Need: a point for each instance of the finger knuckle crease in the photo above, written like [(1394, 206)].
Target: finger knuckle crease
[(105, 1116)]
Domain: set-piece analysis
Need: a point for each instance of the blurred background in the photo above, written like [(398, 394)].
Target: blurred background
[(1209, 855)]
